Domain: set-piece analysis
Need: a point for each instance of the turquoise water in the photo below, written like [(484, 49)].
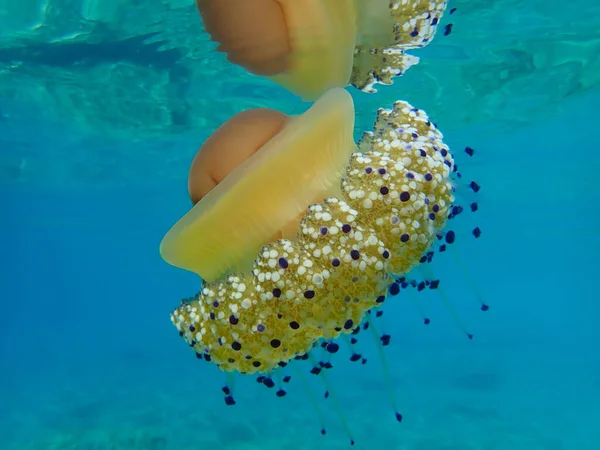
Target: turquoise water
[(102, 107)]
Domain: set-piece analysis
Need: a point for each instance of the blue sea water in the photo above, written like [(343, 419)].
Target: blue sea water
[(88, 356)]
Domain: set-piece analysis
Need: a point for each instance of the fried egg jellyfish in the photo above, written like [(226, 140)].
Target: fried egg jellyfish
[(299, 232), (310, 46)]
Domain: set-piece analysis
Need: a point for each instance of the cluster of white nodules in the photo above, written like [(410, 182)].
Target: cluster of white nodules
[(415, 23), (401, 180)]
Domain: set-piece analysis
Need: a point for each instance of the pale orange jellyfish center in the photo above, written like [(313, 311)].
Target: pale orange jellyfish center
[(253, 34), (234, 142)]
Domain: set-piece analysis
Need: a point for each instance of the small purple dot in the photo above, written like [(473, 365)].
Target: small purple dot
[(428, 177), (368, 169), (283, 263), (309, 294), (384, 190), (323, 231), (335, 262), (381, 171), (405, 196), (346, 228), (405, 237)]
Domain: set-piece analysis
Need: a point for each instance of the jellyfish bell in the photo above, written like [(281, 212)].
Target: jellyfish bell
[(311, 46), (305, 46), (322, 39), (254, 178), (231, 144), (367, 213), (253, 34)]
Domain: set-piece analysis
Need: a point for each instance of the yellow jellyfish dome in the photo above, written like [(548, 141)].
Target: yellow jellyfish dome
[(367, 213), (227, 228), (311, 46)]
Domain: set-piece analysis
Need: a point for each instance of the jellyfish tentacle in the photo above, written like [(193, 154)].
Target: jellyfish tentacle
[(386, 373), (313, 400), (330, 394)]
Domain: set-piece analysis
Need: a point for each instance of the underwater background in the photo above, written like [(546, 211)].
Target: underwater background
[(102, 106)]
